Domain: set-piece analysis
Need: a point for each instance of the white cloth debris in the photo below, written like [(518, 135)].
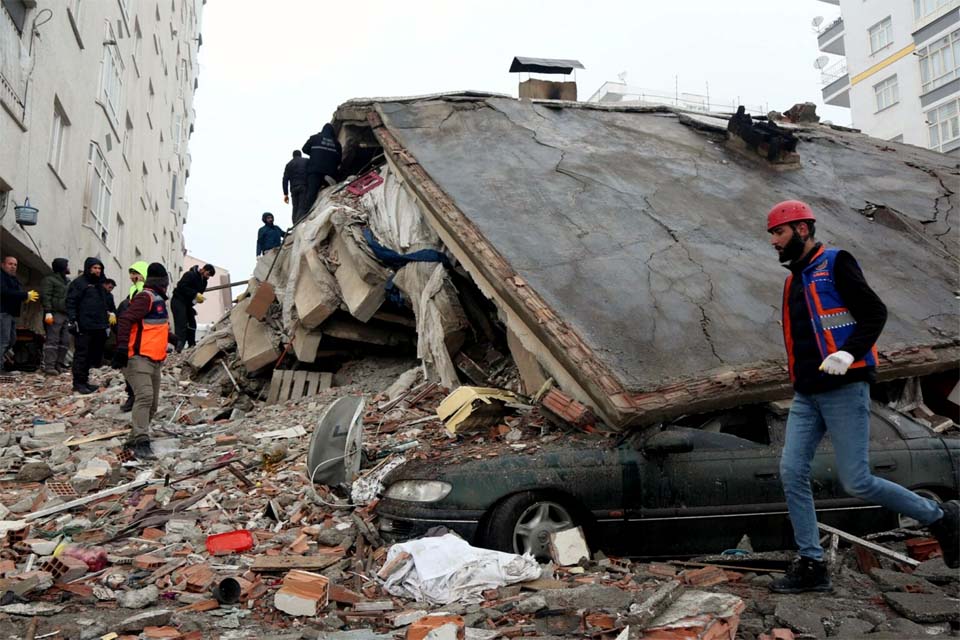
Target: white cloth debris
[(447, 569)]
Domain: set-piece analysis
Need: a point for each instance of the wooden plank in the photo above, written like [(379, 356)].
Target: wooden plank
[(326, 380), (285, 387), (313, 382), (849, 537), (275, 383), (299, 385), (267, 564)]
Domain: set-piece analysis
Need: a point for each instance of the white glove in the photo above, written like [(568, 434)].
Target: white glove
[(836, 364)]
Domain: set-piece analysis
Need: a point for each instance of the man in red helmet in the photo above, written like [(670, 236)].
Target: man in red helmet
[(831, 322)]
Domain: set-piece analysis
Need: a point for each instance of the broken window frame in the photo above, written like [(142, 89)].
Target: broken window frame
[(111, 76), (887, 92), (942, 118), (945, 54), (883, 28), (99, 192)]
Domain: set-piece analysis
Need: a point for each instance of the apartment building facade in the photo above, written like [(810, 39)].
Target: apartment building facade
[(97, 112), (896, 65)]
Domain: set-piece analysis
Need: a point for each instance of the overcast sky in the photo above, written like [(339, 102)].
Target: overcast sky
[(271, 73)]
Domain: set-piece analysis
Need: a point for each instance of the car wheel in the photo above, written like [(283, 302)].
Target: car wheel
[(523, 523), (906, 522)]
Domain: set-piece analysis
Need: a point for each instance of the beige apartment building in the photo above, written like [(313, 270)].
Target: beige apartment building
[(97, 113)]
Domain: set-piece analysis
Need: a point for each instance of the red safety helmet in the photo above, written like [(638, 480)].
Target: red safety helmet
[(789, 211)]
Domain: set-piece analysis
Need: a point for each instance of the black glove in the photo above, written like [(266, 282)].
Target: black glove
[(119, 360), (73, 328)]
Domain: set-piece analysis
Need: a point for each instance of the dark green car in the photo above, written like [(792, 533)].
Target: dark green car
[(693, 487)]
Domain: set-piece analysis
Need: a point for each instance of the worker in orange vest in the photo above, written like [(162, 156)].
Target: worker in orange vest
[(145, 330)]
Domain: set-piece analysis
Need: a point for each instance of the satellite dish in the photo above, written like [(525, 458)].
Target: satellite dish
[(335, 447), (821, 62), (817, 22)]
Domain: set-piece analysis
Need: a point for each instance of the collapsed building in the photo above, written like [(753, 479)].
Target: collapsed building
[(616, 251)]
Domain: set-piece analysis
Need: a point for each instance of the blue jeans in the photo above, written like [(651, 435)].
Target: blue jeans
[(845, 414)]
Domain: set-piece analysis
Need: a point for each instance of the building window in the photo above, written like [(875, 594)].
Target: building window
[(173, 193), (137, 43), (881, 35), (127, 136), (887, 92), (99, 190), (943, 123), (111, 81), (58, 135), (120, 236), (939, 62), (17, 10), (176, 131), (923, 8)]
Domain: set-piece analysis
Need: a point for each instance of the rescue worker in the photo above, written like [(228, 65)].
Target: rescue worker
[(187, 293), (144, 330), (138, 274), (90, 313), (12, 296), (270, 235), (295, 183), (53, 296), (831, 322), (325, 154)]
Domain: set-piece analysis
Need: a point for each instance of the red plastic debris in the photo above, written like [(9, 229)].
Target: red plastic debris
[(230, 542), (365, 183)]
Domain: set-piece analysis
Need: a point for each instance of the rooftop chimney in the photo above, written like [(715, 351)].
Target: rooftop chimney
[(536, 89)]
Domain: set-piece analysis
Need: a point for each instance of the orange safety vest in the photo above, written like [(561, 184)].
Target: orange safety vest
[(148, 337)]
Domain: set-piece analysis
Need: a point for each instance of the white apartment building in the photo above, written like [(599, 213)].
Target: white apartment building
[(896, 65), (97, 112)]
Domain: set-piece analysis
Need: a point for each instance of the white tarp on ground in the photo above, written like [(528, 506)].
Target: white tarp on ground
[(447, 569)]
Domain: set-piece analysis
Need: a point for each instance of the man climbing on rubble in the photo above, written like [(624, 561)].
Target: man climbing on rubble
[(144, 330), (187, 294), (270, 235), (53, 296), (90, 313), (831, 322), (325, 154), (138, 275), (295, 184), (12, 296)]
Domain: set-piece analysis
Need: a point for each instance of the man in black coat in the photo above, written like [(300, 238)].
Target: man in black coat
[(325, 154), (188, 292), (295, 184), (12, 295), (90, 312)]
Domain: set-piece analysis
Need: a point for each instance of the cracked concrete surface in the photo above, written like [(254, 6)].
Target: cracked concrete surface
[(647, 235)]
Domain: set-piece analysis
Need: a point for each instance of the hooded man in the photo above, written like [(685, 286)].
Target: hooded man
[(138, 274), (831, 322), (53, 296), (270, 235), (90, 313), (12, 295), (187, 293), (144, 331), (325, 155), (295, 183)]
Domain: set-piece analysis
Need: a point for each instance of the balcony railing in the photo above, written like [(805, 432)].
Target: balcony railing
[(830, 26), (12, 77), (833, 73)]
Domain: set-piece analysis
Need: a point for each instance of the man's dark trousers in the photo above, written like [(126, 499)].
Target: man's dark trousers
[(184, 325), (88, 354), (315, 182), (299, 201)]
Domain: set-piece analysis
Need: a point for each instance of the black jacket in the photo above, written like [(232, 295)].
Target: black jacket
[(191, 283), (12, 294), (88, 303), (865, 306), (295, 175), (324, 151)]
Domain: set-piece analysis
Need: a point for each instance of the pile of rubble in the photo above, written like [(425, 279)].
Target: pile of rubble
[(223, 536)]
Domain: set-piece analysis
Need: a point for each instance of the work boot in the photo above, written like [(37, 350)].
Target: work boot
[(142, 450), (63, 368), (803, 574), (947, 532), (50, 371), (85, 389), (127, 405)]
